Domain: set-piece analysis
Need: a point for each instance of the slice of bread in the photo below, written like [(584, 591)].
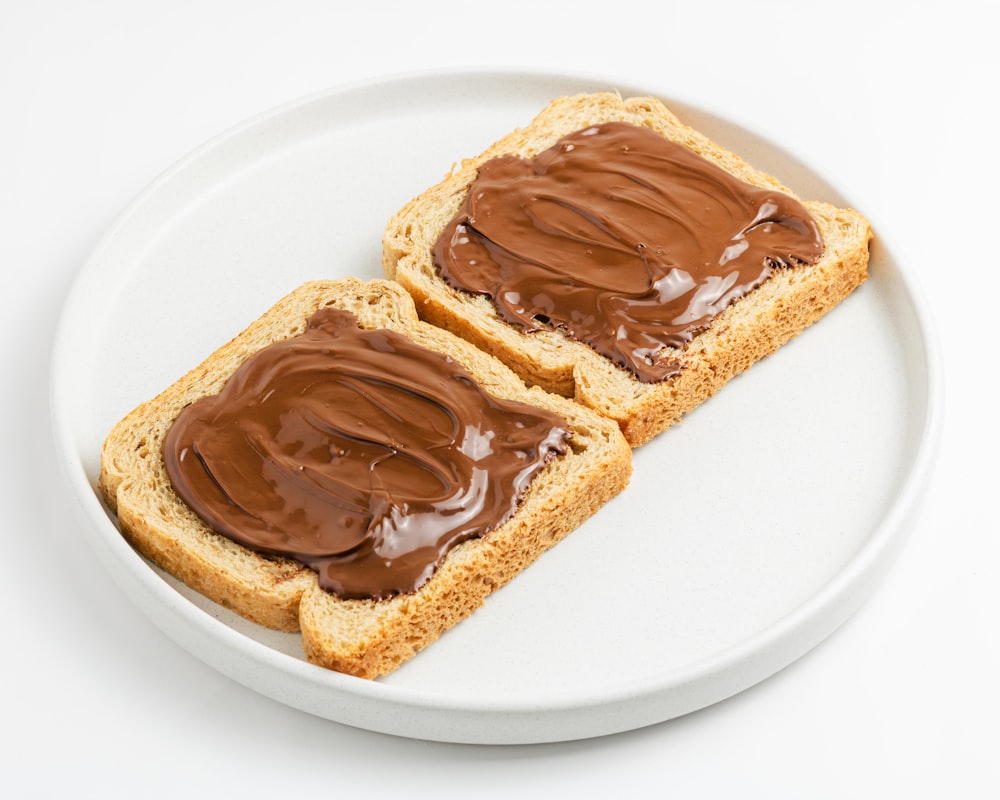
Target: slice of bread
[(749, 329), (362, 637)]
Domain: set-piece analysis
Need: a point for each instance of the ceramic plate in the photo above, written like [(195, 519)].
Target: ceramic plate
[(748, 533)]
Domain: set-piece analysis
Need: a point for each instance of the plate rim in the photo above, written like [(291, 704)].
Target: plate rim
[(406, 711)]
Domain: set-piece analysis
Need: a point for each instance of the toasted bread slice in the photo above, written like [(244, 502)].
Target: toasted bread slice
[(363, 637), (749, 329)]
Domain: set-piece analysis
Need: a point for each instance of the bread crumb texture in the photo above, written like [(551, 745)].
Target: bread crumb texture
[(749, 329), (365, 638)]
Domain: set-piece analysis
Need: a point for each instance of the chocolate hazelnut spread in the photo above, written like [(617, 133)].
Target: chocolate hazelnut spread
[(358, 453), (621, 238)]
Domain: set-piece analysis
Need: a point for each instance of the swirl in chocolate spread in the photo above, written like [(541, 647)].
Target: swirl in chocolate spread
[(358, 453), (621, 238)]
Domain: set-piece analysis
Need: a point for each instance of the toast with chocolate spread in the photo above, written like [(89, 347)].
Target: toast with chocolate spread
[(611, 254), (344, 469)]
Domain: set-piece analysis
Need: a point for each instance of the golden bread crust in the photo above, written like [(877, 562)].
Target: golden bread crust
[(361, 637), (748, 330)]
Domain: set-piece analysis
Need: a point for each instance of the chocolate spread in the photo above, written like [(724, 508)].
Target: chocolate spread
[(621, 238), (357, 453)]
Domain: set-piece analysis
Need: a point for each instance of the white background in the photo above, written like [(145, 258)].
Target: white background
[(896, 107)]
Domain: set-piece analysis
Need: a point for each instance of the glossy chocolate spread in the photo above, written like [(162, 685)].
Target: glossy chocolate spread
[(357, 453), (623, 239)]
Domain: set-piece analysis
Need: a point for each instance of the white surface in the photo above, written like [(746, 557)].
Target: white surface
[(101, 98)]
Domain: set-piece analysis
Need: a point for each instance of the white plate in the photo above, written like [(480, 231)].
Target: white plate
[(748, 534)]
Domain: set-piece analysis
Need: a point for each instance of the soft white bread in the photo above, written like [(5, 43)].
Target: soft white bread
[(748, 330), (361, 637)]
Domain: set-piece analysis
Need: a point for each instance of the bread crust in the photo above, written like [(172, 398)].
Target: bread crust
[(748, 330), (366, 638)]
